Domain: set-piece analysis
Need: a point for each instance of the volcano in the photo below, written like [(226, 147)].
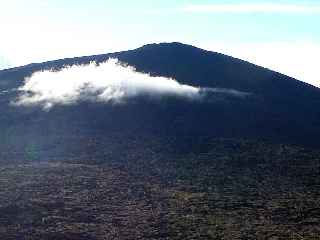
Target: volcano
[(241, 162)]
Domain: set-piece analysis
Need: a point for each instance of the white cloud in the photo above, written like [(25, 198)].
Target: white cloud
[(295, 59), (108, 82), (253, 8)]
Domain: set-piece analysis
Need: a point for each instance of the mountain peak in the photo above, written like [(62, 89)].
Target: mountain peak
[(166, 44), (173, 46)]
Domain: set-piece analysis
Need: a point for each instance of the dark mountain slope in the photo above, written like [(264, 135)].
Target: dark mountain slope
[(190, 65), (280, 109), (226, 167)]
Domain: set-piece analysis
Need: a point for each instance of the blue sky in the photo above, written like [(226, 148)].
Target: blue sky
[(281, 35)]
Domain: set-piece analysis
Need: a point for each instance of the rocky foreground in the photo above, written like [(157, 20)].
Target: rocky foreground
[(234, 190)]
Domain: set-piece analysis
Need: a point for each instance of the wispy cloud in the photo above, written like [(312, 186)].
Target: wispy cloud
[(253, 8), (111, 81)]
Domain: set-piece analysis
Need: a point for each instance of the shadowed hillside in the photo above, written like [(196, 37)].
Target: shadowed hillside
[(223, 167), (279, 108)]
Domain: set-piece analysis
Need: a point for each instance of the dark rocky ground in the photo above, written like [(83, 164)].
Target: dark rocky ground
[(233, 189)]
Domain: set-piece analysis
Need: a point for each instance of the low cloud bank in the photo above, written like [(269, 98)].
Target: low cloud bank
[(110, 81)]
